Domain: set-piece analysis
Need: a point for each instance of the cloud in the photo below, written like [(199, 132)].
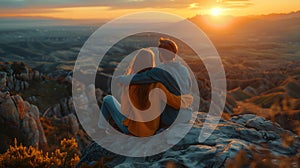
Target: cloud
[(235, 3), (194, 6), (26, 11), (128, 4)]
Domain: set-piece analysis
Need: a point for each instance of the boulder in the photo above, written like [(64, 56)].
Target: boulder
[(17, 114), (63, 108)]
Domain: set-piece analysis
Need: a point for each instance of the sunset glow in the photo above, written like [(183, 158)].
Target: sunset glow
[(90, 9), (216, 11)]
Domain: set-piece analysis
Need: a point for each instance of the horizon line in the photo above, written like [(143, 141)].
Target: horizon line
[(106, 19)]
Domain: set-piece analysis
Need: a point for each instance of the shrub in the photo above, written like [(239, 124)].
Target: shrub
[(67, 155), (22, 156)]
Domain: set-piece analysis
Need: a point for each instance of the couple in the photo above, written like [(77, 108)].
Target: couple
[(135, 100)]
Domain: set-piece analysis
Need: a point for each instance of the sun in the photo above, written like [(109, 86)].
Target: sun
[(216, 11)]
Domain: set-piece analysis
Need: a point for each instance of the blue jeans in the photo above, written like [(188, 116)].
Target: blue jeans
[(112, 108)]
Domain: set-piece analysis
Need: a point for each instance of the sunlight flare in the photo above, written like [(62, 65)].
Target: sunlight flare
[(216, 11)]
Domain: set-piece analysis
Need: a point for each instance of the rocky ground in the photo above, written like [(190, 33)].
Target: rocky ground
[(260, 119), (243, 132), (260, 126)]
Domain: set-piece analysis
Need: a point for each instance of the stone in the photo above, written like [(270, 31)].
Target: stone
[(24, 119), (229, 137)]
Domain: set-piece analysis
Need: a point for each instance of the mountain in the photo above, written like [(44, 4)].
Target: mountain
[(282, 27)]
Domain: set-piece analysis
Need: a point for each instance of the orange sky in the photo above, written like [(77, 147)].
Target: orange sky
[(92, 9)]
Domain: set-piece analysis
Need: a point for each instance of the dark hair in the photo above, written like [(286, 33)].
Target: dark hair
[(169, 45)]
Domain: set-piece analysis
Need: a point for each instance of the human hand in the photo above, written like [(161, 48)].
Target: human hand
[(186, 100)]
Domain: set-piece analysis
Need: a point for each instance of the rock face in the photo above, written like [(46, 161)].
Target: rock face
[(21, 120), (63, 108), (229, 137), (17, 76), (18, 118)]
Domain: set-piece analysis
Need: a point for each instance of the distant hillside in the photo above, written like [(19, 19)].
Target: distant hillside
[(277, 16), (50, 47), (282, 27)]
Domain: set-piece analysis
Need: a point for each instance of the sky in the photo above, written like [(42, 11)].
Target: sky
[(109, 9)]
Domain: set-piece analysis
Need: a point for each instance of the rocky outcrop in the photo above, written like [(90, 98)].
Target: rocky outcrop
[(230, 136), (18, 75), (18, 118), (22, 117), (62, 116), (63, 108)]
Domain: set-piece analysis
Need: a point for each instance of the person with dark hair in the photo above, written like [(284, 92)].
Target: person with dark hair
[(168, 49), (171, 73)]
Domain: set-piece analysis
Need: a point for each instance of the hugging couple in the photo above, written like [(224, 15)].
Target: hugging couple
[(131, 115)]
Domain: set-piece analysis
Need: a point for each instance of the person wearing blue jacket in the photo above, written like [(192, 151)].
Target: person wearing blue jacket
[(171, 73)]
